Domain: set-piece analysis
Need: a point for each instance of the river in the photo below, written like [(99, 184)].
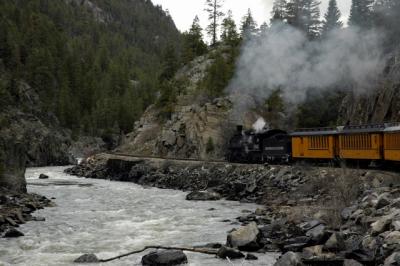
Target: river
[(109, 218)]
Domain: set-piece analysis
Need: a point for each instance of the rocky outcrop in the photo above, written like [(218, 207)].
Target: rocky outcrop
[(16, 208), (29, 137), (194, 131)]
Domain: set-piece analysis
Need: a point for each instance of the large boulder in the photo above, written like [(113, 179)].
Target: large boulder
[(289, 259), (203, 196), (245, 238), (164, 258)]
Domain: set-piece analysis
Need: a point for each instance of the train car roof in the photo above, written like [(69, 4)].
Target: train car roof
[(315, 131), (368, 128), (392, 127)]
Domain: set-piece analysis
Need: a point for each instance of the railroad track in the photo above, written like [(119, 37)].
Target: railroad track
[(165, 158)]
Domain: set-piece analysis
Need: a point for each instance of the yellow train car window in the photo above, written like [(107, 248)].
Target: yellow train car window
[(318, 143)]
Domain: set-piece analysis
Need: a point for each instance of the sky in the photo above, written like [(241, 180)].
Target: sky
[(184, 11)]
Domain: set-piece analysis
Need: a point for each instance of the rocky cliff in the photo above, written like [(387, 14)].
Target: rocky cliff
[(378, 105), (29, 137), (199, 126)]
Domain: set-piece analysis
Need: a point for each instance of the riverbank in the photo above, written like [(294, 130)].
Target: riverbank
[(320, 214), (17, 208)]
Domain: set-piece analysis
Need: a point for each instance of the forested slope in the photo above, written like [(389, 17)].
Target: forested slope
[(95, 64), (70, 68)]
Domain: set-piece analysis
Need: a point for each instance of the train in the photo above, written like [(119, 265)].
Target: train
[(369, 143)]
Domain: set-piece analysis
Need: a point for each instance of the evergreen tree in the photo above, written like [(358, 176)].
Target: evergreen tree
[(229, 31), (193, 44), (263, 29), (361, 13), (214, 15), (249, 26), (332, 18), (305, 16), (279, 11)]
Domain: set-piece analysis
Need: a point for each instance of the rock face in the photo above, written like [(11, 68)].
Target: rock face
[(29, 137), (185, 135), (164, 258), (382, 104)]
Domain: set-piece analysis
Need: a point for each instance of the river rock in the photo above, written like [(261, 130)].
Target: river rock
[(318, 234), (250, 256), (12, 233), (289, 259), (393, 260), (231, 253), (393, 239), (244, 238), (351, 263), (335, 243), (383, 200), (87, 258), (164, 258), (203, 196), (381, 225), (43, 176)]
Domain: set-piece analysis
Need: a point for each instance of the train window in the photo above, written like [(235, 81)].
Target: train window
[(318, 143)]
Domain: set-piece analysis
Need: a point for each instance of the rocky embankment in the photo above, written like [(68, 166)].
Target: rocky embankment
[(17, 208), (313, 215)]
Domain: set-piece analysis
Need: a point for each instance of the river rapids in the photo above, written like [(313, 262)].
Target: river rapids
[(111, 218)]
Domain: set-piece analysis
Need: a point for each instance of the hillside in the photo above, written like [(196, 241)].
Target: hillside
[(73, 68)]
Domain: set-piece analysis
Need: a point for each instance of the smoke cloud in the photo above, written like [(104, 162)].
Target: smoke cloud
[(284, 58)]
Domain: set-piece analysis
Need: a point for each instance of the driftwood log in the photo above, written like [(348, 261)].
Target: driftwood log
[(93, 258)]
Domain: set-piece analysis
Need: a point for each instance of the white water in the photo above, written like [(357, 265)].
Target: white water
[(110, 218)]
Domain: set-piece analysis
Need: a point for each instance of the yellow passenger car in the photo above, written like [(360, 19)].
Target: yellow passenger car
[(363, 142), (391, 139), (318, 143)]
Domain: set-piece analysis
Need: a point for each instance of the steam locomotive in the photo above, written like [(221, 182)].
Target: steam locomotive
[(256, 147), (362, 143)]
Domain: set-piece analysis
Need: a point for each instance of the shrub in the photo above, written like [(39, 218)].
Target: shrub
[(210, 148)]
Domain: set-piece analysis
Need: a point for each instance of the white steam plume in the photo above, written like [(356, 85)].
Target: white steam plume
[(259, 125), (284, 58)]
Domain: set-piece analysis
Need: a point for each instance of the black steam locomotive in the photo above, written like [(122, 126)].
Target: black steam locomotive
[(254, 147)]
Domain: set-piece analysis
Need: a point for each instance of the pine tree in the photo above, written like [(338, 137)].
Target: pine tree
[(193, 42), (263, 29), (249, 26), (214, 15), (361, 13), (279, 11), (229, 31), (332, 18), (305, 16)]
